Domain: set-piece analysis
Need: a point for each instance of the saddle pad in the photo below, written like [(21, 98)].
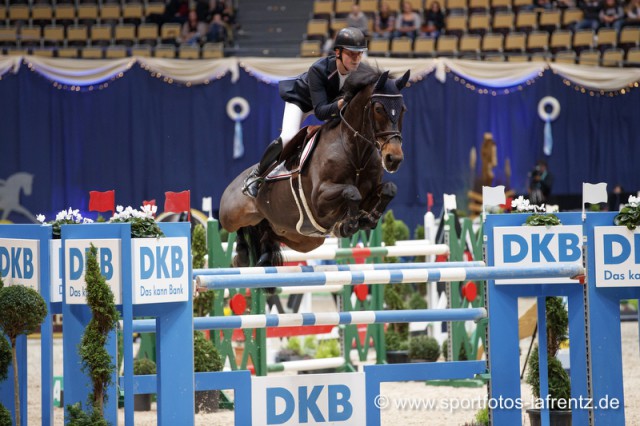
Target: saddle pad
[(282, 172)]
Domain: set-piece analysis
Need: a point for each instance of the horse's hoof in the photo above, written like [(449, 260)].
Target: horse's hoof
[(265, 260)]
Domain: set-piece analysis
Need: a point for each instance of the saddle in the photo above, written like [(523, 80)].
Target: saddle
[(295, 154), (292, 161)]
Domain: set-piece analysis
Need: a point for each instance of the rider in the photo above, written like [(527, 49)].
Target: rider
[(316, 90)]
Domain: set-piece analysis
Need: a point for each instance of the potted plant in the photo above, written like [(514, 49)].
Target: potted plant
[(397, 345), (559, 383), (96, 360), (424, 348), (293, 351), (22, 310), (6, 357), (629, 215), (143, 367), (205, 358)]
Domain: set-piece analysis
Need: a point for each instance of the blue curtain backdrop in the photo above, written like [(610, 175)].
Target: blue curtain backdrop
[(143, 136)]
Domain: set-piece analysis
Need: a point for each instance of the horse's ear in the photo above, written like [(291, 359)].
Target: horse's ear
[(402, 82), (381, 81)]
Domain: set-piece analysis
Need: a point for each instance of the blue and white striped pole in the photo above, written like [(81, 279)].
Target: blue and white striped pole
[(324, 318), (214, 282), (331, 268)]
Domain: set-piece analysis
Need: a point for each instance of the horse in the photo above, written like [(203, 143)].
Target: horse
[(10, 194), (338, 190)]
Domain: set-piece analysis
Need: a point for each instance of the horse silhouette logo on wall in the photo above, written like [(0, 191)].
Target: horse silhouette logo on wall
[(10, 195)]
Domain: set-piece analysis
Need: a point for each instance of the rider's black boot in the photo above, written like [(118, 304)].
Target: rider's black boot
[(254, 179)]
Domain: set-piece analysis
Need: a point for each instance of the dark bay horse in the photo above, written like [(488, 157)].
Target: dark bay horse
[(339, 190)]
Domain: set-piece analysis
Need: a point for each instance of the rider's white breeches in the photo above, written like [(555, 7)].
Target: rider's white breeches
[(291, 121)]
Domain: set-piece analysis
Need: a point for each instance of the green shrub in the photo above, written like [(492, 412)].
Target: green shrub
[(5, 416), (294, 345), (328, 349), (445, 350), (482, 417), (76, 416), (198, 246), (143, 367), (205, 354), (424, 347), (396, 341), (557, 329), (417, 301), (310, 346), (22, 310), (96, 360)]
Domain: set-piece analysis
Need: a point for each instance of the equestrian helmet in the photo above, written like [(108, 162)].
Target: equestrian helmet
[(350, 38)]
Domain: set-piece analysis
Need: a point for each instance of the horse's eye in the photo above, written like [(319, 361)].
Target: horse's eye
[(379, 109)]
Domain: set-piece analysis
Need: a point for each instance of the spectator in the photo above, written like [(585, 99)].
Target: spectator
[(617, 199), (357, 19), (544, 4), (633, 14), (385, 22), (433, 21), (540, 182), (565, 4), (611, 15), (176, 11), (193, 31), (591, 18), (407, 22), (217, 32)]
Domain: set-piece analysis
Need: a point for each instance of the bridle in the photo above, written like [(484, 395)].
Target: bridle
[(386, 135)]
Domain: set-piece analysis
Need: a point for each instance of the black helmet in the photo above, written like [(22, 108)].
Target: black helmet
[(351, 39)]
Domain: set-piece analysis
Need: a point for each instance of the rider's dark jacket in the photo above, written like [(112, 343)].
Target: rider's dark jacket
[(316, 89)]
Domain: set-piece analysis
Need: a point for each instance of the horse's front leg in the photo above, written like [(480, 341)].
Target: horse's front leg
[(374, 205), (348, 195)]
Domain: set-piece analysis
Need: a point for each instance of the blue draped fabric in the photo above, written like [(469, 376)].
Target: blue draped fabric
[(142, 136)]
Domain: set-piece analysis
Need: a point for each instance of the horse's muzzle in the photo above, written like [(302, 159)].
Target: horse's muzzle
[(392, 161)]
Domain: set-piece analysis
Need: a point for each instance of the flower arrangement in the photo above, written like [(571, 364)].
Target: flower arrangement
[(65, 217), (542, 216), (629, 216), (143, 225)]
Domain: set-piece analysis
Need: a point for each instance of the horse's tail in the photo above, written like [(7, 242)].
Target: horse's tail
[(258, 244)]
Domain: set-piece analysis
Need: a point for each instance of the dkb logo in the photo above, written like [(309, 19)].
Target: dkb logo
[(19, 262), (309, 400)]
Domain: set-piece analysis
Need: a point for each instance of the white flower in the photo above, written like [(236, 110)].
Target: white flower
[(149, 210), (634, 201), (87, 220), (119, 209), (40, 218), (522, 205)]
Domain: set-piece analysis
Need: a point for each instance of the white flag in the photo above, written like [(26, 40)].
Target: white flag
[(493, 196), (594, 193), (206, 204), (450, 202)]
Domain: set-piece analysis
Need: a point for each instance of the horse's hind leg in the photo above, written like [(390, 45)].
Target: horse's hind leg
[(270, 253), (241, 258)]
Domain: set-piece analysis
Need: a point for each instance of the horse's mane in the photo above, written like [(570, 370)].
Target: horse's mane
[(363, 77)]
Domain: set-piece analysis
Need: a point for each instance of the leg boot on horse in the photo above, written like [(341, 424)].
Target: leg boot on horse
[(254, 180)]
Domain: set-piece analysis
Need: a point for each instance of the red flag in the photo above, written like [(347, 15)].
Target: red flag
[(429, 201), (178, 202), (102, 201)]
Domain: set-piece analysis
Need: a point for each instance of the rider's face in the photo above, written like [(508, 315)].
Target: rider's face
[(351, 59)]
